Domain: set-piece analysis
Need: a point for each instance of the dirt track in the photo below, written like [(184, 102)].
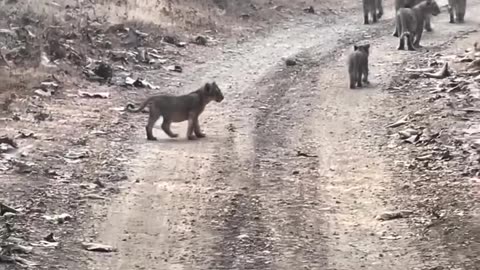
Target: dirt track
[(242, 198)]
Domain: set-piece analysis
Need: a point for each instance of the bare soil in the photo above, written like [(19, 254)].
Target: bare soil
[(293, 171)]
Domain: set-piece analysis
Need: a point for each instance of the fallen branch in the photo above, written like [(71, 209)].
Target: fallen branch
[(458, 87), (441, 74), (474, 65), (420, 70)]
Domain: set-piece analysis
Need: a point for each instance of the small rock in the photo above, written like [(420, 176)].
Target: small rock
[(50, 238), (170, 39), (290, 62), (104, 71), (309, 9), (41, 116), (200, 40)]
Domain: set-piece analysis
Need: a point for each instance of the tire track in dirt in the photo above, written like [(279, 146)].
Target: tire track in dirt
[(164, 192), (279, 190), (246, 204)]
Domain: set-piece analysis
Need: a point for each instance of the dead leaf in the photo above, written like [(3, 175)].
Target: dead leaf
[(302, 154), (424, 157), (443, 73), (400, 122), (96, 247), (6, 209), (407, 133), (9, 141), (474, 65)]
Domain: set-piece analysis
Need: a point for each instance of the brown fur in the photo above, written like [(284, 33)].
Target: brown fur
[(179, 109), (457, 9), (358, 65), (410, 22)]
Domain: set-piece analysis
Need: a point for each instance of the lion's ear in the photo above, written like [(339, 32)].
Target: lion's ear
[(208, 88)]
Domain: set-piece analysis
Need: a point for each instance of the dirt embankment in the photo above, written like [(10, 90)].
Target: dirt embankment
[(295, 166)]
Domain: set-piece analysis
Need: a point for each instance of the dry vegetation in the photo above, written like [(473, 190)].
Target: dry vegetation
[(35, 27)]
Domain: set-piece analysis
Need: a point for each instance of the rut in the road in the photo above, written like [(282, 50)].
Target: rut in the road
[(277, 220)]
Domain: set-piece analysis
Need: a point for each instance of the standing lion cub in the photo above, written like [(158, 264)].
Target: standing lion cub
[(358, 65), (179, 109)]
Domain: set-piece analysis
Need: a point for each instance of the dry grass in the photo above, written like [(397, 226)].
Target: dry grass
[(189, 15), (156, 16)]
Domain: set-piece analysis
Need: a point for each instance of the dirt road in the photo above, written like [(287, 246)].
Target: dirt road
[(289, 176)]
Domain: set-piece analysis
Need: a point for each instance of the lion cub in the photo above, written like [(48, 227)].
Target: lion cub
[(179, 109), (358, 65), (410, 22)]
